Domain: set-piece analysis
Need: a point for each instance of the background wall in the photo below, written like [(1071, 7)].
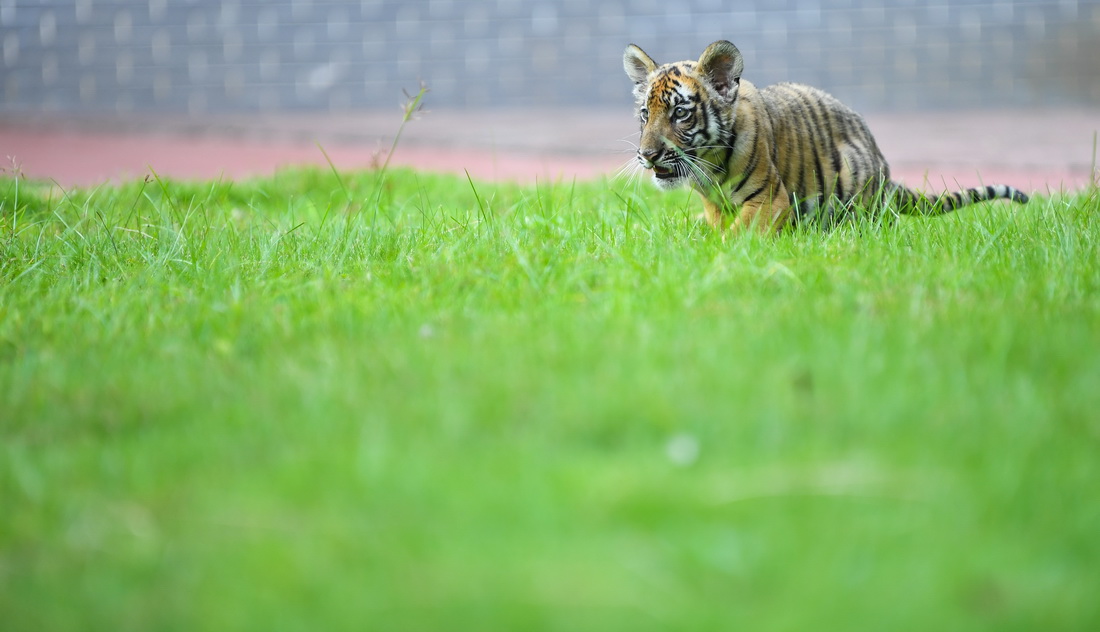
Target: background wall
[(263, 55)]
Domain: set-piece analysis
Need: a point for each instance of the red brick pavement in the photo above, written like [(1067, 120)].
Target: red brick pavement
[(1033, 150)]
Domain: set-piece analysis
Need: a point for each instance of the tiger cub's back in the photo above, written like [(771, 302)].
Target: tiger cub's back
[(824, 149)]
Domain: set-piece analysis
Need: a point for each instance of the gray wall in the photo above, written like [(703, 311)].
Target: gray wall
[(245, 55)]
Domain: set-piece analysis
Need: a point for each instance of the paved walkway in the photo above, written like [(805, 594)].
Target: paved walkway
[(1036, 150)]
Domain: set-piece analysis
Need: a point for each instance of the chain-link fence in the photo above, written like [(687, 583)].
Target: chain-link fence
[(249, 55)]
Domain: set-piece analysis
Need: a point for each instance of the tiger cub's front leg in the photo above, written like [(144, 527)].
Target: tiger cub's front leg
[(768, 212), (713, 213)]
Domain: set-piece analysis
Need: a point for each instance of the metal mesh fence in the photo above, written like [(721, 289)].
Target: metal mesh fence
[(250, 55)]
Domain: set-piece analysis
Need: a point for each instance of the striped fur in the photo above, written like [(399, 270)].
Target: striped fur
[(781, 154)]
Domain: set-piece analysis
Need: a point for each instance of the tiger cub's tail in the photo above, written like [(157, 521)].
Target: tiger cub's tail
[(911, 202)]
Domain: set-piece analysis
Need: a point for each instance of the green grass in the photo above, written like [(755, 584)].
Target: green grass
[(423, 403)]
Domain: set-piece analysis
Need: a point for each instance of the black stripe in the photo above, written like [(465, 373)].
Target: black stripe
[(724, 161), (838, 164), (820, 173), (777, 118), (858, 179), (831, 146), (806, 137), (845, 129), (740, 184), (790, 177), (952, 202), (754, 160), (725, 139), (990, 193), (854, 129), (799, 153), (814, 132), (757, 192), (729, 135), (702, 120)]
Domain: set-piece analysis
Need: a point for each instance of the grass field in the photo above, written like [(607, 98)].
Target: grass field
[(411, 402)]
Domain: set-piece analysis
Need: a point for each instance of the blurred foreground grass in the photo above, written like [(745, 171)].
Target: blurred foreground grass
[(313, 402)]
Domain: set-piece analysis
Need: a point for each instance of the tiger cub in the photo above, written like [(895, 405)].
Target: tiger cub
[(783, 154)]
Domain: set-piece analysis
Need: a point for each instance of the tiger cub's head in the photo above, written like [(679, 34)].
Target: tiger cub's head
[(686, 110)]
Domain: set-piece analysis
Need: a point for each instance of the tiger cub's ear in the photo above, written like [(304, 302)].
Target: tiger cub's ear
[(637, 64), (722, 65)]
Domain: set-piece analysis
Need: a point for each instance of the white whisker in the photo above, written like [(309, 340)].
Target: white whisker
[(698, 160), (633, 146), (702, 175), (631, 169)]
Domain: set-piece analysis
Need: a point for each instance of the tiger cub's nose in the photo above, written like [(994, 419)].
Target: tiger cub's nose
[(650, 156)]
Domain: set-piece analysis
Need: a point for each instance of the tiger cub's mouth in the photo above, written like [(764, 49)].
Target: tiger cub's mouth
[(663, 173)]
